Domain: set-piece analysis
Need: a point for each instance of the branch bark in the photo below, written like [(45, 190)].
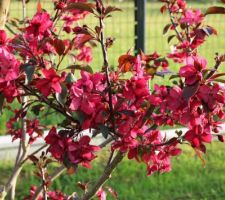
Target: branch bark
[(105, 176), (4, 9), (106, 68)]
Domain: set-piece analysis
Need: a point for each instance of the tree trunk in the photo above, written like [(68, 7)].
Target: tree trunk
[(4, 9)]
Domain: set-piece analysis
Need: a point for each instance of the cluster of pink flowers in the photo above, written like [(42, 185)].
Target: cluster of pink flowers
[(9, 69), (87, 96), (64, 148), (118, 103), (33, 128), (51, 82), (52, 195)]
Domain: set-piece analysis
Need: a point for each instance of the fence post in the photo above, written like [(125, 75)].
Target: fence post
[(4, 8), (140, 19)]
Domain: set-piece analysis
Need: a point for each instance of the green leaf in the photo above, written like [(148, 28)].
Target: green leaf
[(79, 116), (37, 108), (70, 78), (61, 97), (104, 130), (86, 68), (2, 99), (219, 80), (174, 76), (29, 71)]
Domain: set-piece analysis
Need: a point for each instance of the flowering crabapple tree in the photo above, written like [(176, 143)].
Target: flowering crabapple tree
[(117, 104)]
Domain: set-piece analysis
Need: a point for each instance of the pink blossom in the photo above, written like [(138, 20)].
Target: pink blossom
[(3, 37), (85, 54), (197, 135), (101, 194), (40, 24), (52, 195), (57, 144), (81, 152), (192, 17), (51, 81), (192, 70)]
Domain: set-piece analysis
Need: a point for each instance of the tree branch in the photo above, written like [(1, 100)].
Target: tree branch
[(105, 176), (106, 68)]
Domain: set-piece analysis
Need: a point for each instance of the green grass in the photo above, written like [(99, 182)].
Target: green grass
[(188, 180)]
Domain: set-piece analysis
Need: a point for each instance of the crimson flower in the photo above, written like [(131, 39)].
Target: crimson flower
[(81, 152), (3, 37), (197, 135), (40, 23), (212, 95), (85, 54), (192, 70), (57, 144), (50, 82)]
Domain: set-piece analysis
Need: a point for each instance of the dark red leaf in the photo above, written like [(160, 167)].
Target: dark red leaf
[(166, 28), (221, 138), (190, 90), (59, 46), (215, 10), (170, 38), (33, 158), (89, 7), (163, 9), (111, 9), (209, 30), (82, 40)]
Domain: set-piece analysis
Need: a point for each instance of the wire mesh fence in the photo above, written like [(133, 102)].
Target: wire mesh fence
[(121, 27)]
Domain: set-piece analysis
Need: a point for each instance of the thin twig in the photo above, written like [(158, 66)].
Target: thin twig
[(44, 188), (173, 23), (213, 70), (106, 142), (35, 152), (51, 178), (106, 68)]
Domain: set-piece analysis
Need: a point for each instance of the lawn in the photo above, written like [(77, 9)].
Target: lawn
[(189, 179)]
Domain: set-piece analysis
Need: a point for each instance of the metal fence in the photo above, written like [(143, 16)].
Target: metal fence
[(122, 27)]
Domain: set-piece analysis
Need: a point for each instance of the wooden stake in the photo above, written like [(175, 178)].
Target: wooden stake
[(4, 9)]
